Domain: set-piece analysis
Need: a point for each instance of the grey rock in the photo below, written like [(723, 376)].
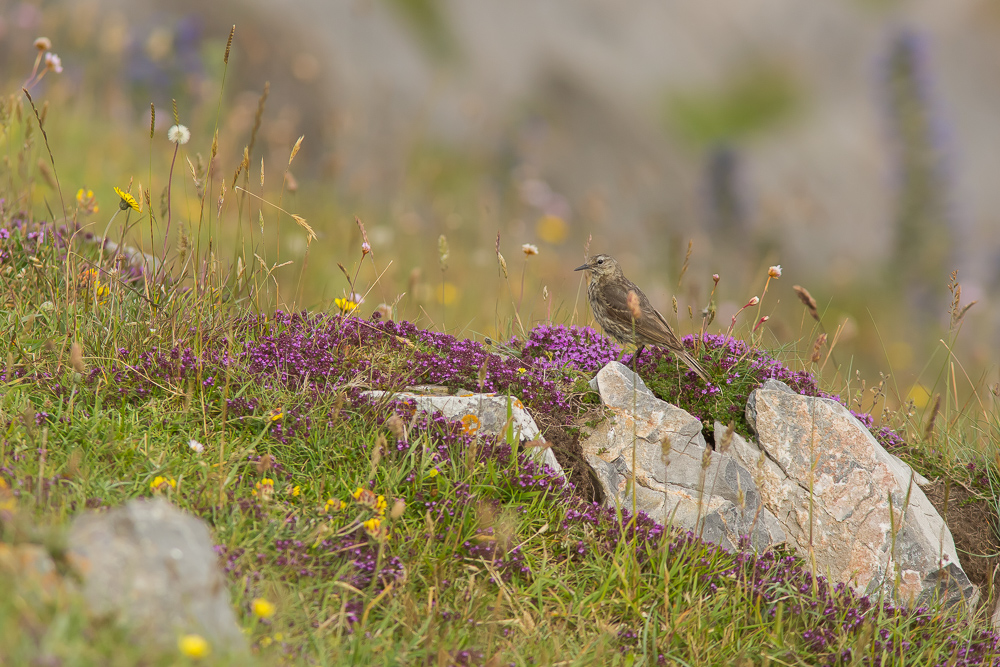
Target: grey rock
[(720, 501), (852, 508), (481, 414), (154, 567)]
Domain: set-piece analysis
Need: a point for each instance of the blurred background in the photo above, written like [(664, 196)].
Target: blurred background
[(853, 142)]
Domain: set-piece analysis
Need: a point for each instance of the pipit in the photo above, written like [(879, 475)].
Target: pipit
[(636, 322)]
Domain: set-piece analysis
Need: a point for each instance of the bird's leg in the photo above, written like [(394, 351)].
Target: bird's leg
[(635, 357)]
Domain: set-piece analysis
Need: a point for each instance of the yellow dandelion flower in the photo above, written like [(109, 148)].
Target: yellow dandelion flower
[(128, 201), (161, 483), (345, 305), (262, 608), (194, 646)]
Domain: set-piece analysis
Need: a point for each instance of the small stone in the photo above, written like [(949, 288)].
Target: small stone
[(154, 567)]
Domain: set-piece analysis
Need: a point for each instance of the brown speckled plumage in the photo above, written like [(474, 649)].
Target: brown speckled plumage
[(608, 292)]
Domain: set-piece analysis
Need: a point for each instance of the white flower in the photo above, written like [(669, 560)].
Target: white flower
[(774, 271), (529, 249), (179, 134), (43, 43), (53, 62), (196, 446)]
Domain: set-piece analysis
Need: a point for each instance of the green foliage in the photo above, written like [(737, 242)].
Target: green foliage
[(749, 102)]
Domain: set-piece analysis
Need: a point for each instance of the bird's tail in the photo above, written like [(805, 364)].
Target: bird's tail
[(692, 363)]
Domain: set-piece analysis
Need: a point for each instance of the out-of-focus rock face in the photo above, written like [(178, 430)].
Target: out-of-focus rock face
[(575, 91)]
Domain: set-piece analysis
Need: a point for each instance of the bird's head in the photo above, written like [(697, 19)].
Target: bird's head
[(600, 265)]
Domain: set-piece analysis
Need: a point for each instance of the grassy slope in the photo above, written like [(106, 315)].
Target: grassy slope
[(488, 560)]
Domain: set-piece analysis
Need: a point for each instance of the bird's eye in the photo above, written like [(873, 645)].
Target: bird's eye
[(600, 261)]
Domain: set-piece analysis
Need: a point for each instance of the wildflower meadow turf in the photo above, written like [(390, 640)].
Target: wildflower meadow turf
[(350, 540), (353, 530)]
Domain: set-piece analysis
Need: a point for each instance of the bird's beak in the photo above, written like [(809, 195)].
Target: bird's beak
[(582, 268)]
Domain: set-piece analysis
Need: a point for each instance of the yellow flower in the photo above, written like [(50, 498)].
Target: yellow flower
[(345, 305), (372, 526), (522, 371), (446, 293), (262, 608), (357, 494), (334, 505), (432, 473), (264, 489), (296, 491), (85, 200), (90, 284), (194, 646), (161, 483), (380, 505), (265, 641), (128, 201), (552, 229), (276, 414)]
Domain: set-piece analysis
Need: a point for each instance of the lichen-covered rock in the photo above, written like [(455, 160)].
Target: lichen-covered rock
[(480, 414), (849, 506), (686, 485)]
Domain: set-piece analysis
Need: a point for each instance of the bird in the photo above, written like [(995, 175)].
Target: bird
[(638, 322)]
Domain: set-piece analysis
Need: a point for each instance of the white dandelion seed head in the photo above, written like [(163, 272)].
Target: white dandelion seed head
[(179, 134)]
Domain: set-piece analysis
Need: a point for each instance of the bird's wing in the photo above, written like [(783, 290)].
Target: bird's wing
[(661, 331), (616, 297)]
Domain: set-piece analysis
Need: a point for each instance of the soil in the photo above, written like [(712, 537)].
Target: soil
[(566, 446), (973, 523)]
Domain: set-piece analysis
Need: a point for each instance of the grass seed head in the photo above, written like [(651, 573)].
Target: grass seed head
[(396, 427), (807, 300), (76, 358), (265, 463)]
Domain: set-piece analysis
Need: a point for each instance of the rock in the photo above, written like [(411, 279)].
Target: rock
[(671, 491), (480, 414), (154, 567), (828, 481)]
